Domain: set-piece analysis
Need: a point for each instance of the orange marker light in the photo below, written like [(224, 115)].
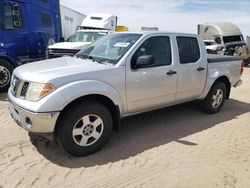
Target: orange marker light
[(48, 88)]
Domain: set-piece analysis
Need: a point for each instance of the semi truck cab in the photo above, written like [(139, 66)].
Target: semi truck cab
[(224, 38), (27, 27)]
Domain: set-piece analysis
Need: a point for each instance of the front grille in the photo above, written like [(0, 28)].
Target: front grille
[(24, 89), (19, 87), (61, 52)]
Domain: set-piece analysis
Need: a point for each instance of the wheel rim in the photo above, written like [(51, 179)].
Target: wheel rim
[(4, 76), (87, 130), (217, 98)]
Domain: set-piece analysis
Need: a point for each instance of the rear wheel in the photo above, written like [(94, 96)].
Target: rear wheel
[(247, 61), (85, 128), (6, 70), (215, 98)]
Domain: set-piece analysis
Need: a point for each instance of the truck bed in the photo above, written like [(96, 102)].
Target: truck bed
[(221, 58)]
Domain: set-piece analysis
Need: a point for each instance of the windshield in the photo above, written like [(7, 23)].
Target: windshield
[(82, 36), (235, 38), (110, 48)]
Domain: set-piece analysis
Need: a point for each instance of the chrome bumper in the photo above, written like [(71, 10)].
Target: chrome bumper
[(238, 83), (33, 122)]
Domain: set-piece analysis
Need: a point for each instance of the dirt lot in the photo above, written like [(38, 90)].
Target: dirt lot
[(175, 147)]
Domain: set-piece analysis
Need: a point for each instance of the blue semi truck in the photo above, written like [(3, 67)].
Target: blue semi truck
[(26, 29)]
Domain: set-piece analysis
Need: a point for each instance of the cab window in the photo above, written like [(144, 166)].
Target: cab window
[(46, 20), (8, 17), (158, 47), (189, 51)]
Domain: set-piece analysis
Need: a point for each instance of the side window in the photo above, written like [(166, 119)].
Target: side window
[(8, 17), (159, 47), (217, 40), (189, 51), (46, 20)]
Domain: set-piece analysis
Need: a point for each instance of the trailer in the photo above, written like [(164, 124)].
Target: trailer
[(70, 19)]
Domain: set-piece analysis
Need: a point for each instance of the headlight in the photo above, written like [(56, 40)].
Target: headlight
[(36, 91)]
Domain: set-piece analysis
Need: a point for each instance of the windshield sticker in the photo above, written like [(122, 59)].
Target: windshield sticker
[(122, 44), (102, 33)]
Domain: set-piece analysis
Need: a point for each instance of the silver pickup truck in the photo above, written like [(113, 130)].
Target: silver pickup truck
[(79, 100)]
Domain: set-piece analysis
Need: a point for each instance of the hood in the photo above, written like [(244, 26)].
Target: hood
[(51, 70), (69, 45)]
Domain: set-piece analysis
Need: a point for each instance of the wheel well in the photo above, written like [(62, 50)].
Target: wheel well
[(114, 109), (8, 60), (225, 80)]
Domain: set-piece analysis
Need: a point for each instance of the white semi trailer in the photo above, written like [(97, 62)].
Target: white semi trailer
[(70, 20)]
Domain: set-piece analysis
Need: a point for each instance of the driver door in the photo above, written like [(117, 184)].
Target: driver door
[(153, 86)]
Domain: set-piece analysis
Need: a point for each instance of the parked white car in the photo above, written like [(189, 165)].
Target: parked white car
[(75, 42)]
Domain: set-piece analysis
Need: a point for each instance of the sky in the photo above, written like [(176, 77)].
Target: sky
[(169, 15)]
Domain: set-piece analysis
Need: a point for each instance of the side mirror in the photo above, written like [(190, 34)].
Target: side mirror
[(62, 39), (144, 61)]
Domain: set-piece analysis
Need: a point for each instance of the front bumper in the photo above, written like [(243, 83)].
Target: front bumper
[(33, 122)]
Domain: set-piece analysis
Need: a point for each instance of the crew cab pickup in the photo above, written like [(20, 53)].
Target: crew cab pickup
[(79, 100)]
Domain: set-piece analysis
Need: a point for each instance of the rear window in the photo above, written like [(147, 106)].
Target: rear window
[(189, 51), (46, 20)]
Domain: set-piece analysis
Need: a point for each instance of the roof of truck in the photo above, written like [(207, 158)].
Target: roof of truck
[(160, 32), (93, 30), (225, 28)]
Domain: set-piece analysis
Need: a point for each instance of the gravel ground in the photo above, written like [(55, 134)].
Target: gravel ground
[(174, 147)]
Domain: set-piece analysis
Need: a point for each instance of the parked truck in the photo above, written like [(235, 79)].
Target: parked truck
[(79, 100), (93, 27), (27, 27), (224, 38), (247, 61)]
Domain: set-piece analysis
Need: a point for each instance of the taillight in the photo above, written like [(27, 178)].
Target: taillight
[(242, 68)]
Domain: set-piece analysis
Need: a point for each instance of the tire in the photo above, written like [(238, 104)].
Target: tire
[(85, 128), (246, 61), (6, 70), (215, 98)]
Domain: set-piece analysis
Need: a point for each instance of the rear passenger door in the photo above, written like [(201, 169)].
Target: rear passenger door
[(192, 69), (153, 86)]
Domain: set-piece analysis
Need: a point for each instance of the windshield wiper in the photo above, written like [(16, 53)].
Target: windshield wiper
[(94, 59), (79, 56)]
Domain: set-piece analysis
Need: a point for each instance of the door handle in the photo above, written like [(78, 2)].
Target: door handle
[(171, 72), (200, 69)]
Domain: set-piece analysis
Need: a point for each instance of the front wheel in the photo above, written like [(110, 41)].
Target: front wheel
[(215, 98), (6, 70), (85, 128)]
